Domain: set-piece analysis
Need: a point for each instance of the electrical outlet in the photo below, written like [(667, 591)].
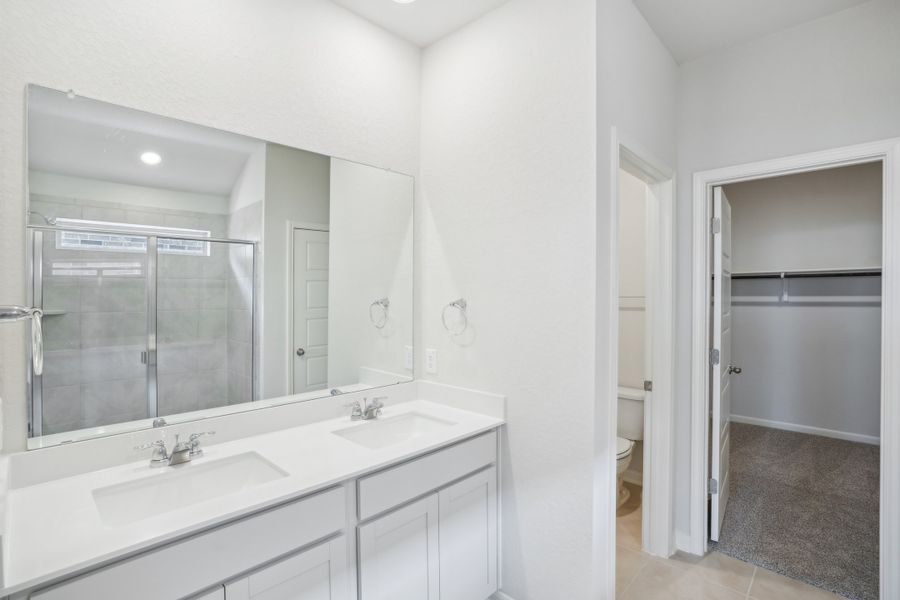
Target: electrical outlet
[(408, 357), (431, 361)]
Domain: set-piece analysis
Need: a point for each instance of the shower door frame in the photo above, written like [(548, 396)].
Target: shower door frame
[(34, 258)]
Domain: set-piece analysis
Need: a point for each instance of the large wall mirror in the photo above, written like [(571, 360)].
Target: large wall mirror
[(186, 272)]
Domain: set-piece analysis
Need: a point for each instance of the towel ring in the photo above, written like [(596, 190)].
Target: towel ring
[(378, 312), (461, 305)]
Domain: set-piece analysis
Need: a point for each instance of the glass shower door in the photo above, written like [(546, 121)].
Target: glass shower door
[(93, 289), (204, 324)]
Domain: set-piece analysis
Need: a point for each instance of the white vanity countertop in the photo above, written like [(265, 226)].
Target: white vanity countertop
[(54, 529)]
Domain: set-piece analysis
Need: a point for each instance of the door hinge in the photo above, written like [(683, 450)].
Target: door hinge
[(716, 225), (648, 386), (713, 357), (713, 486)]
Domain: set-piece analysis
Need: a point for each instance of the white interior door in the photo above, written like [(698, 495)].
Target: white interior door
[(721, 361), (310, 288)]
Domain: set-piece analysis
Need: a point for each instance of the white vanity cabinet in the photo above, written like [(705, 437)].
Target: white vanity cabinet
[(467, 528), (423, 529), (442, 546), (315, 574), (398, 554)]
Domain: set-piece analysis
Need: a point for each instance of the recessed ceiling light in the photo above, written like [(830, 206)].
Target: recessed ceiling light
[(151, 158)]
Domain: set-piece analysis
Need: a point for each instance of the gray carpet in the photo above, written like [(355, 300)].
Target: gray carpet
[(806, 507)]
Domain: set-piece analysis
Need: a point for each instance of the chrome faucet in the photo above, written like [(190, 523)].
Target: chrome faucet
[(373, 408), (367, 411), (182, 453)]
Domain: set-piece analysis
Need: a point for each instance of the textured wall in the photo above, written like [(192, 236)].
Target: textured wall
[(508, 188), (306, 74), (370, 257), (831, 82)]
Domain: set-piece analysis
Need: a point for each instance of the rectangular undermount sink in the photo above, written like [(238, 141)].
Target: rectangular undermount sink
[(381, 433), (178, 487)]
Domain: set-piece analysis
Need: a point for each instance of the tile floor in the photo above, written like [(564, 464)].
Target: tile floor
[(640, 576)]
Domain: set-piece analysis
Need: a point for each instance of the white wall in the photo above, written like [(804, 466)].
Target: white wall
[(81, 188), (632, 284), (632, 295), (508, 201), (370, 257), (822, 220), (297, 191), (827, 83), (306, 74)]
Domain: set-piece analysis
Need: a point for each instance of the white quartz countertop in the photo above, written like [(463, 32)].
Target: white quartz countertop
[(54, 529)]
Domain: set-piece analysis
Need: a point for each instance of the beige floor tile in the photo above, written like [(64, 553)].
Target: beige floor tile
[(772, 586), (672, 580), (628, 530), (628, 563), (718, 568)]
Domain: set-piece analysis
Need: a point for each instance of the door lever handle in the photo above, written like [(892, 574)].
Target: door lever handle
[(732, 370)]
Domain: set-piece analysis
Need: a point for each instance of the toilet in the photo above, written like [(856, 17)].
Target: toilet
[(630, 430)]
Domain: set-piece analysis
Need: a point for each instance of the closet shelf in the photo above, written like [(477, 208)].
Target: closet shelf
[(868, 272)]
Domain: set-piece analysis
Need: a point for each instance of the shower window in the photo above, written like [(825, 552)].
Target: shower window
[(128, 237)]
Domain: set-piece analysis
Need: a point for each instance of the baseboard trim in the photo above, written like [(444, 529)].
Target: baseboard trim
[(633, 477), (501, 596), (830, 433), (683, 542)]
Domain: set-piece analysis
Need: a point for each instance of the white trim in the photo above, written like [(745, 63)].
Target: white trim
[(289, 277), (658, 468), (829, 433), (498, 595), (888, 152)]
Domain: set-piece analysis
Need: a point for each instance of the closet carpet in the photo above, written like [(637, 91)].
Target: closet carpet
[(806, 507)]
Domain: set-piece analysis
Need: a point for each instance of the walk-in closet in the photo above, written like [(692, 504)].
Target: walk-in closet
[(798, 475)]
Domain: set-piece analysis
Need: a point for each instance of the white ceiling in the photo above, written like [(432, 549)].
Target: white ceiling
[(86, 138), (422, 22), (692, 28)]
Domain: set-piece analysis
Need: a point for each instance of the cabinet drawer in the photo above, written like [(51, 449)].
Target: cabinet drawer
[(182, 568), (382, 491)]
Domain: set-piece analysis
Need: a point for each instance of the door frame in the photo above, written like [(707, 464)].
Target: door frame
[(888, 153), (289, 317), (659, 442)]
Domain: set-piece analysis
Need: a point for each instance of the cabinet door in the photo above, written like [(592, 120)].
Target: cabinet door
[(468, 534), (399, 554), (315, 574)]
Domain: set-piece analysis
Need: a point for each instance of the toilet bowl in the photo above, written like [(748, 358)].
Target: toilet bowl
[(624, 447), (630, 429)]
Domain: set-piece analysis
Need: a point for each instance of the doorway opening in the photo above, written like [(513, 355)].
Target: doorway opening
[(793, 368), (641, 354)]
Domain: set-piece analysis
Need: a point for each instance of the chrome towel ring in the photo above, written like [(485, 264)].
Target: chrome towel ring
[(459, 305), (378, 312)]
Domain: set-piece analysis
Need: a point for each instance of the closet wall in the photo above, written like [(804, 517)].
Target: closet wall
[(809, 365)]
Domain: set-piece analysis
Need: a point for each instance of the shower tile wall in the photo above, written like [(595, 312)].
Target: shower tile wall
[(93, 370)]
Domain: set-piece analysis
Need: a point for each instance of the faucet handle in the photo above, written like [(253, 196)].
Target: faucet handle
[(356, 411), (194, 443), (160, 456)]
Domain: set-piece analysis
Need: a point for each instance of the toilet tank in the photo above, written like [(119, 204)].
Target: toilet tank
[(631, 413)]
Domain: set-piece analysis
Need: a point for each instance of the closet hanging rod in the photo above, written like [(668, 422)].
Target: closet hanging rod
[(874, 272)]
